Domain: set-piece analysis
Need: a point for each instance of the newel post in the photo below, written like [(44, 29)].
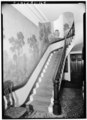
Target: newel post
[(56, 105)]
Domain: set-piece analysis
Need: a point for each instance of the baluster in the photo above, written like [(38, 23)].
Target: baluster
[(56, 106), (57, 80)]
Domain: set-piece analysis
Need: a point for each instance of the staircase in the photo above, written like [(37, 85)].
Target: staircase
[(42, 93)]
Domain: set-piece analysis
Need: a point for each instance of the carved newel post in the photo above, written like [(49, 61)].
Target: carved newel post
[(56, 106)]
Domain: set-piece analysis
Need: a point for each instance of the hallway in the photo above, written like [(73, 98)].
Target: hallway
[(42, 63)]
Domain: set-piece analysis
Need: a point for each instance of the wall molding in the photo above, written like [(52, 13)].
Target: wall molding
[(31, 12)]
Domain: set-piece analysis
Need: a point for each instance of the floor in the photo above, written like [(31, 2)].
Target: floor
[(72, 105), (71, 99)]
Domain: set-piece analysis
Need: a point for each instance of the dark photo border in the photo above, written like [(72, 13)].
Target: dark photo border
[(84, 43)]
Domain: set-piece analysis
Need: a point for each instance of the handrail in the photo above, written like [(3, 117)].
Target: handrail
[(56, 78), (64, 51), (62, 58)]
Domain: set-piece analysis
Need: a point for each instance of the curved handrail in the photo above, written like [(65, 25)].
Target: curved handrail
[(58, 69), (57, 78), (71, 32)]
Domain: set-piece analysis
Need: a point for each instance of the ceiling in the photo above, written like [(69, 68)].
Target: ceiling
[(50, 12), (53, 11)]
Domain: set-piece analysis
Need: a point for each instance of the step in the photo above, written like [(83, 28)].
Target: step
[(40, 98), (41, 104), (43, 86), (44, 95), (43, 91), (46, 82), (47, 88), (40, 108)]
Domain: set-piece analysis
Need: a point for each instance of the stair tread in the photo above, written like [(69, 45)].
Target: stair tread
[(41, 109), (43, 86), (44, 95), (40, 98), (45, 83), (42, 91), (41, 103)]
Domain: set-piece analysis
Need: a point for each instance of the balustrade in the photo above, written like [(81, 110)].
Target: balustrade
[(57, 77)]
